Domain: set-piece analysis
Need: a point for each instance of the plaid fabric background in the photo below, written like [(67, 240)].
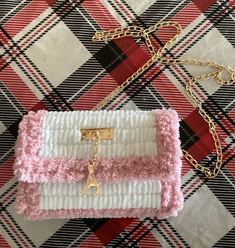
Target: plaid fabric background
[(49, 61)]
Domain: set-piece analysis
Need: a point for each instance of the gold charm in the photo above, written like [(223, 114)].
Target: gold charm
[(95, 135), (91, 181)]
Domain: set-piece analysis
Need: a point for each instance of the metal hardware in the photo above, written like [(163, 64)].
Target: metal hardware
[(104, 133), (158, 56), (96, 135), (91, 180)]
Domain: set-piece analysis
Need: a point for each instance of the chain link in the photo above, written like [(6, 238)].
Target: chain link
[(158, 56), (95, 141)]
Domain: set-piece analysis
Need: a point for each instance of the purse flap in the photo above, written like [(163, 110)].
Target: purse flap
[(144, 144)]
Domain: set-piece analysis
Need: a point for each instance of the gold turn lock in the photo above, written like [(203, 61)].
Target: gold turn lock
[(104, 133)]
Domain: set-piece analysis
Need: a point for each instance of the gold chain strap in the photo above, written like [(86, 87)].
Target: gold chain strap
[(157, 56)]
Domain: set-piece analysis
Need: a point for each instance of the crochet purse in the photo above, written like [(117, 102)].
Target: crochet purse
[(100, 163)]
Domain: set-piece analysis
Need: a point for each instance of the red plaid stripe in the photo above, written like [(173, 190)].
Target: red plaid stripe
[(204, 5), (25, 16), (3, 243), (6, 171), (18, 88), (112, 227)]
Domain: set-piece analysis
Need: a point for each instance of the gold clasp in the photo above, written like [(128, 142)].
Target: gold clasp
[(90, 133), (95, 135)]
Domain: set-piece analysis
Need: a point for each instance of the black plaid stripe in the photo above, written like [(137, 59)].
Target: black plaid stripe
[(143, 94), (228, 240), (8, 190), (148, 98), (187, 136), (168, 239), (7, 141), (93, 225), (218, 110), (162, 9), (12, 236), (11, 110), (21, 239), (124, 238), (79, 82), (227, 25), (223, 188), (118, 10), (139, 89), (55, 101), (73, 232), (110, 56), (224, 97), (216, 14), (84, 32), (144, 20), (9, 8)]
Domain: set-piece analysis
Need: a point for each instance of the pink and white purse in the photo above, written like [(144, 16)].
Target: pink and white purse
[(99, 164)]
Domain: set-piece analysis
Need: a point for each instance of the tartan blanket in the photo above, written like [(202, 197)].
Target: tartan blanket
[(48, 61)]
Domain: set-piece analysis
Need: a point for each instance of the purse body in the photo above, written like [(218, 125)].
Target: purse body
[(138, 165)]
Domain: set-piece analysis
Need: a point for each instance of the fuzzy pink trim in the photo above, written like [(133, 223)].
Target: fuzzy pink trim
[(27, 203), (28, 144), (29, 167)]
